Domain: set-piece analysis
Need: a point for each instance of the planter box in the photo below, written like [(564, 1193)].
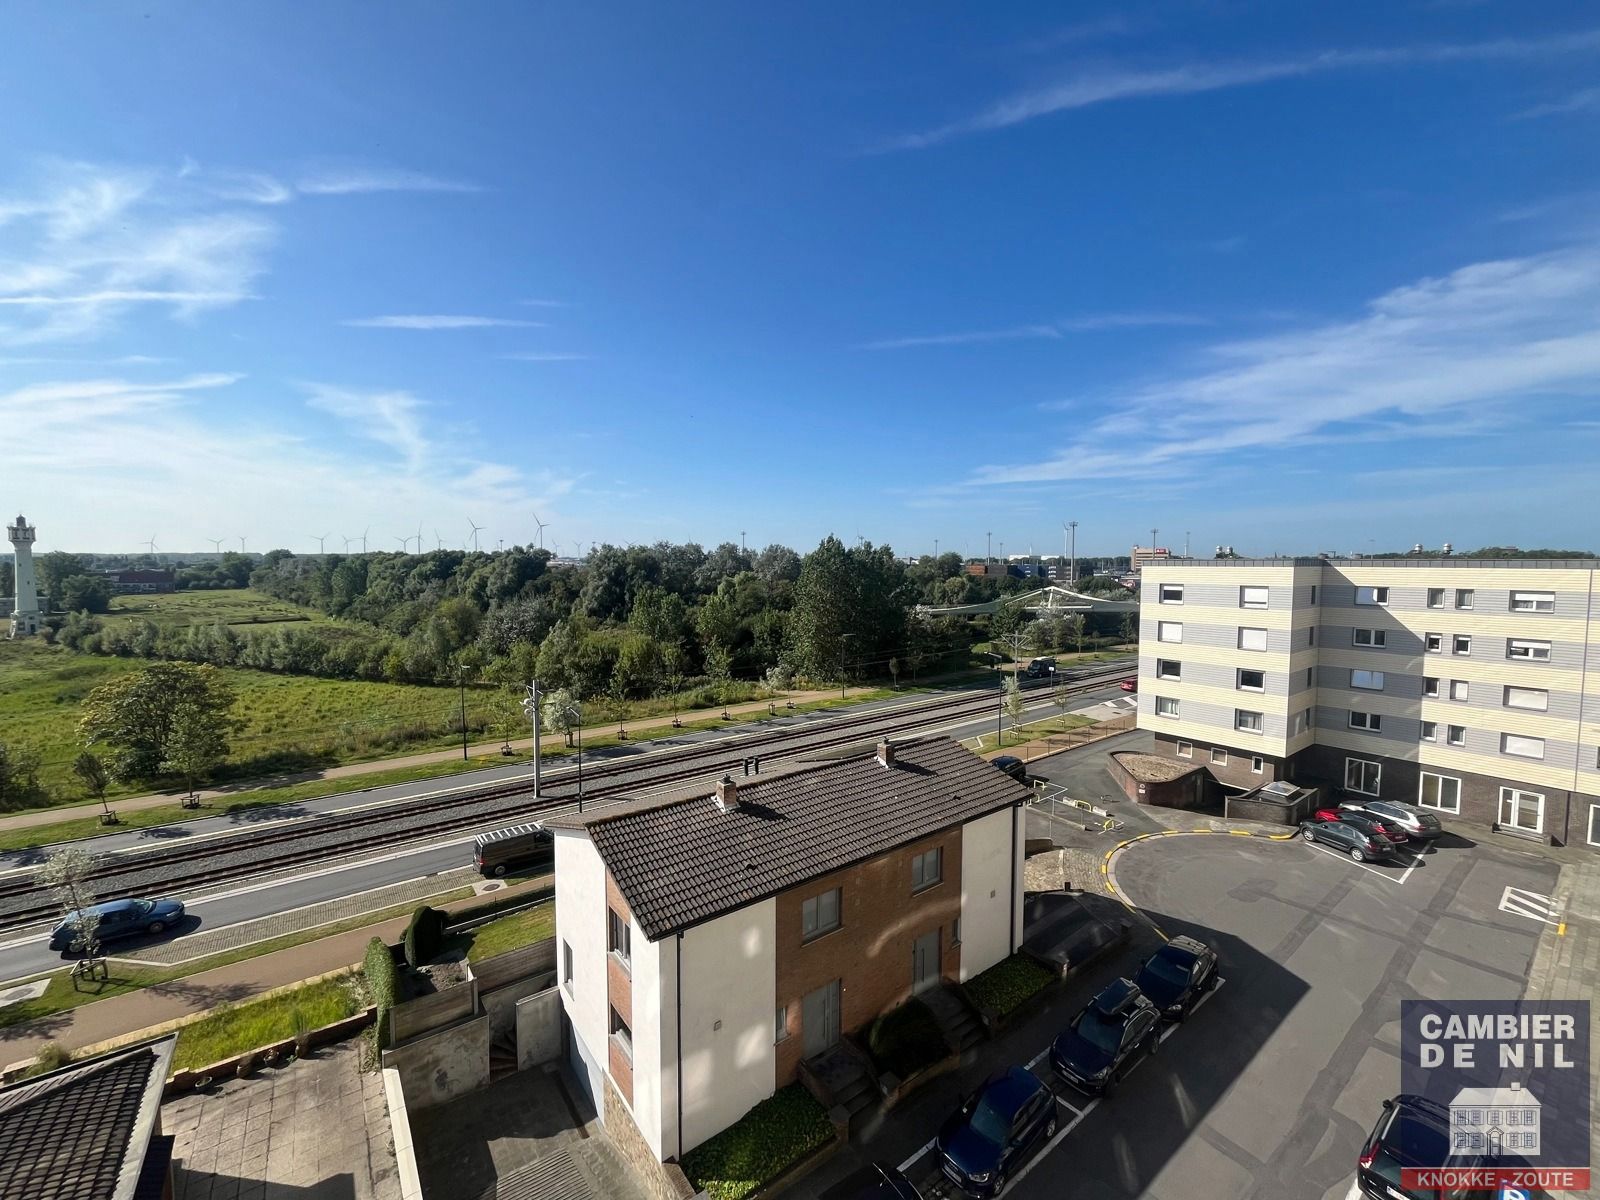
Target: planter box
[(228, 1068)]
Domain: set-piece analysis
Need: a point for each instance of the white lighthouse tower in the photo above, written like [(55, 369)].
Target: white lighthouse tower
[(25, 611)]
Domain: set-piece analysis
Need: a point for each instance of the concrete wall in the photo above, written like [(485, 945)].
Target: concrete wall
[(729, 1003), (444, 1064), (581, 924), (538, 1025), (985, 898), (405, 1155), (655, 1078), (500, 1005)]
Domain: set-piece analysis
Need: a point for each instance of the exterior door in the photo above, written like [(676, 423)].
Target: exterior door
[(1522, 810), (819, 1016), (1594, 824), (925, 961)]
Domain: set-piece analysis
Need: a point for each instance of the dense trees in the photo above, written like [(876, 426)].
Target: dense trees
[(167, 717)]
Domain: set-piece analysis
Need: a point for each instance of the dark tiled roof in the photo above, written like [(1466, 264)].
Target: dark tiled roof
[(81, 1132), (685, 862)]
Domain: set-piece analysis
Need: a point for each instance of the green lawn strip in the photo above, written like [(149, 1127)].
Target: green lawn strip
[(61, 995), (234, 1028), (1007, 984), (1032, 731), (760, 1146), (510, 932)]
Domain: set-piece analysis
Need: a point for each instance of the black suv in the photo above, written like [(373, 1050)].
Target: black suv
[(997, 1126), (1177, 975), (1412, 1132), (1416, 822), (1350, 839), (1118, 1030)]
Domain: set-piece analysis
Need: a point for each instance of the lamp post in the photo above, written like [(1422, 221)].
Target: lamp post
[(530, 707), (580, 756), (461, 678), (843, 680)]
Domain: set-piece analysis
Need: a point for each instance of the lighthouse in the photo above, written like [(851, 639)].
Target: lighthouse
[(25, 610)]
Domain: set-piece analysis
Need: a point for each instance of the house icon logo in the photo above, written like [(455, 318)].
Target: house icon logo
[(1495, 1121)]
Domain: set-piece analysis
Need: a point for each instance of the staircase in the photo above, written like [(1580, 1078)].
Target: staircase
[(959, 1024), (843, 1079), (502, 1056)]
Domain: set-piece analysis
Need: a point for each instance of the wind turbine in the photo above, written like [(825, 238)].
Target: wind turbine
[(322, 543), (542, 526), (405, 544), (419, 537), (151, 543), (216, 545), (475, 528), (241, 543), (347, 541), (438, 540), (364, 533)]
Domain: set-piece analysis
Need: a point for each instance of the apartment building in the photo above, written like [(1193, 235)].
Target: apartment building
[(706, 946), (1462, 685)]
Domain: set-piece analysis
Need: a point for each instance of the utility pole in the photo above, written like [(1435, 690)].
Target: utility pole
[(988, 555), (741, 541), (1186, 543), (580, 757), (1153, 533), (1072, 526), (530, 706), (935, 549), (461, 678)]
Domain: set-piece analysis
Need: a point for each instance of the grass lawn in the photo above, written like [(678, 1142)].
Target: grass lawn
[(1029, 732), (228, 606), (233, 1029), (510, 932)]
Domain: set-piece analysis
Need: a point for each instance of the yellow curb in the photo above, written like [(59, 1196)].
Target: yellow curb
[(1105, 862)]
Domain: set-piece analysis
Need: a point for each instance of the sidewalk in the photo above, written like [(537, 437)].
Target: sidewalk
[(489, 752)]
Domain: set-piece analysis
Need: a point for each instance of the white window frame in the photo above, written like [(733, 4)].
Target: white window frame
[(1364, 763), (1163, 628), (1594, 825), (1219, 756), (1163, 588), (1374, 680), (1465, 597), (1251, 629), (1541, 695), (1172, 700), (1455, 735), (1376, 639), (1185, 750), (1461, 644), (1512, 793), (1533, 602), (1299, 723), (1461, 690), (567, 974), (1257, 764), (1433, 643), (1422, 792), (619, 938), (620, 1033), (813, 906), (780, 1023), (1436, 597), (1369, 722), (1243, 714), (1507, 740), (1241, 685), (1162, 672), (1428, 731), (1377, 597), (1254, 595), (1527, 650)]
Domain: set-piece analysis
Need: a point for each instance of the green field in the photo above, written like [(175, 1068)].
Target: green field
[(239, 607)]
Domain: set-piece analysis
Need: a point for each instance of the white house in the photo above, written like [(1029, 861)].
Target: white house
[(706, 946), (1492, 1120)]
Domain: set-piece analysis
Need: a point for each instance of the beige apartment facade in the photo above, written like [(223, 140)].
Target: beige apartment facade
[(1470, 687)]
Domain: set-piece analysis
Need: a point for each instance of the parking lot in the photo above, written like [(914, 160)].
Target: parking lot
[(1271, 1087)]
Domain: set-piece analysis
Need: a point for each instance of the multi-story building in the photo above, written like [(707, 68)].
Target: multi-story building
[(1145, 556), (707, 946), (1461, 685)]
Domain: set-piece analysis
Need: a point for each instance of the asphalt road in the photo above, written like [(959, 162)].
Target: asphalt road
[(1270, 1089)]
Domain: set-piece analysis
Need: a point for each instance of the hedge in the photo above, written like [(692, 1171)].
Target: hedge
[(425, 936), (1008, 983), (906, 1040), (378, 966), (760, 1146)]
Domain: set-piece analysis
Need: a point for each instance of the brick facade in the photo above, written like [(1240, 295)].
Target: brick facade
[(1237, 772), (619, 995), (871, 951)]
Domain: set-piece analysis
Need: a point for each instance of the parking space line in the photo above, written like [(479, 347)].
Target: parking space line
[(1348, 861)]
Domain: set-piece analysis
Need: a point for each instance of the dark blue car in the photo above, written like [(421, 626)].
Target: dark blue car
[(1177, 975), (1118, 1030), (119, 919), (997, 1127)]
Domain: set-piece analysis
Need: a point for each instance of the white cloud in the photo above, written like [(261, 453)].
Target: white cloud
[(437, 321), (1461, 353), (350, 180), (1102, 86), (1049, 331), (389, 418), (1585, 100)]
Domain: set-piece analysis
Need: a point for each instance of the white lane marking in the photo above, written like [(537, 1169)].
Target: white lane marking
[(1350, 862), (1536, 906)]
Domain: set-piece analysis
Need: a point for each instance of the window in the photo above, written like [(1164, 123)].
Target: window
[(927, 869), (1300, 722), (1521, 747), (1252, 639), (1430, 686), (1456, 735), (1461, 643), (1169, 631), (1527, 651), (1252, 681), (955, 932), (1313, 593), (1433, 643), (819, 915), (780, 1024), (1219, 757), (1257, 764), (1430, 731), (1252, 597), (621, 1034), (1185, 749), (1460, 689), (1372, 595), (1311, 635), (1533, 602), (1524, 697), (1371, 722), (619, 937), (566, 965), (1167, 668), (1463, 597), (1171, 593), (1594, 824), (1367, 681), (1311, 677), (1166, 706), (1362, 776), (1435, 597), (1368, 637), (1442, 792), (1248, 722)]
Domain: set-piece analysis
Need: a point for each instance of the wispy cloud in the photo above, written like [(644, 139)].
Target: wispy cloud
[(350, 180), (391, 419), (437, 321), (535, 356), (1458, 355), (544, 303), (1047, 331), (1585, 100), (1111, 26), (1103, 86)]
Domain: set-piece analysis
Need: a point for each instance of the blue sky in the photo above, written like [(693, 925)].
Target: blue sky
[(1287, 277)]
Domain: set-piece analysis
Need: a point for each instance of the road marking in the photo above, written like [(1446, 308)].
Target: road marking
[(1348, 861), (1536, 906)]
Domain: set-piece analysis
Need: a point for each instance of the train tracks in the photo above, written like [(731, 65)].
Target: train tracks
[(320, 838)]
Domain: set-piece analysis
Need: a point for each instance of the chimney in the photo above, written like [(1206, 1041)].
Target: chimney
[(885, 752), (727, 794)]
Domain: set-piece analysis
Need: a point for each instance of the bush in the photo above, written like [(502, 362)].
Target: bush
[(906, 1039), (1007, 984), (424, 936), (759, 1146), (378, 967), (52, 1056)]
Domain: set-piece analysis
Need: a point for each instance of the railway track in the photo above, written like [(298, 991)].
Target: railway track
[(288, 844)]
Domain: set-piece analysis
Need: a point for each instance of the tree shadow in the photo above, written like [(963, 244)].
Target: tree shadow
[(203, 995)]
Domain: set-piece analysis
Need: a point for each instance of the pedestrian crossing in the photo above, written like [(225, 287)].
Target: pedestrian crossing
[(1536, 906)]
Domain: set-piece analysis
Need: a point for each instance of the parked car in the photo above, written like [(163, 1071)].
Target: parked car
[(1346, 838), (1418, 823), (887, 1183), (119, 919), (1363, 820), (1012, 766), (1413, 1131), (994, 1130), (1118, 1030), (1177, 975), (517, 847), (1130, 685)]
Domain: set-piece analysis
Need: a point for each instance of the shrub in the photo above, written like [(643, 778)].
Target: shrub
[(302, 1032), (1007, 984), (425, 935), (52, 1056), (906, 1039), (378, 967), (760, 1146)]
